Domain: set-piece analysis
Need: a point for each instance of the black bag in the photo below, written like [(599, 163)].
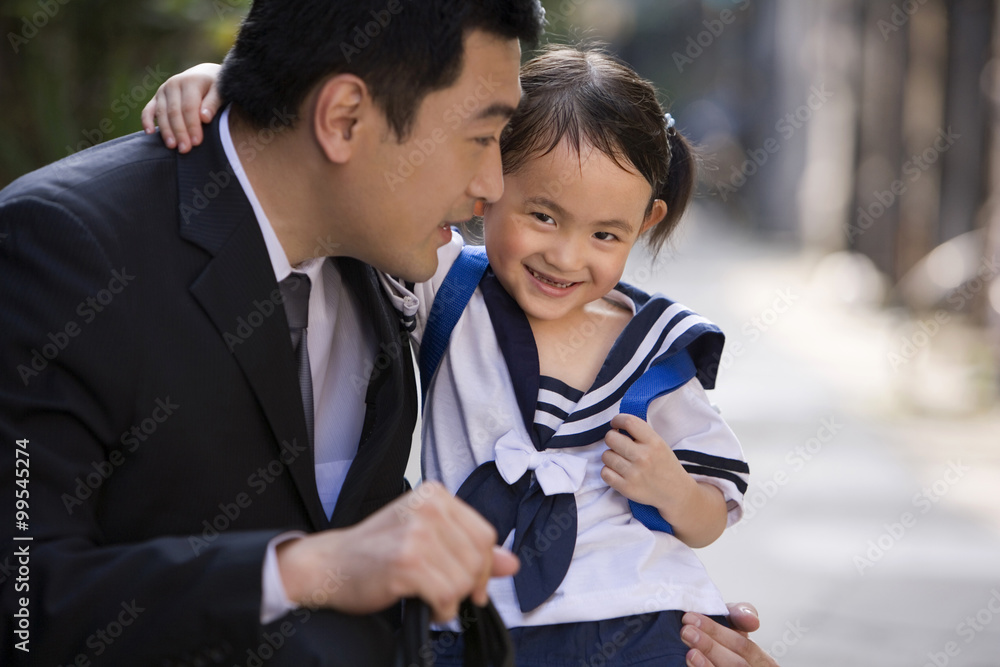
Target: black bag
[(487, 642)]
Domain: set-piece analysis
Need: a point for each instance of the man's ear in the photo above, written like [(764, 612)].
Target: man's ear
[(657, 212), (342, 103)]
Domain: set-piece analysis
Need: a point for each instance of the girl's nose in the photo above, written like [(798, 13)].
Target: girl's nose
[(565, 255)]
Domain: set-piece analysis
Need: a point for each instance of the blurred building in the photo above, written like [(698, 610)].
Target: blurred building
[(863, 127)]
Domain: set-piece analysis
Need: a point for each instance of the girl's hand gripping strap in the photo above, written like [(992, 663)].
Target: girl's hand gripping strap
[(663, 376), (450, 301)]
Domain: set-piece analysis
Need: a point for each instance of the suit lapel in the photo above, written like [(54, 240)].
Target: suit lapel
[(237, 290), (385, 396)]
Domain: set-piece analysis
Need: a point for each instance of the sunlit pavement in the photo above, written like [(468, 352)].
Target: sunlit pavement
[(872, 535)]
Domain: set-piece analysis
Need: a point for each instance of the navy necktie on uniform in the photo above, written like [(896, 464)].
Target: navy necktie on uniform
[(295, 294)]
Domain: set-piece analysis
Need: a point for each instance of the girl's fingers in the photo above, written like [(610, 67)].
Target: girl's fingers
[(149, 116), (175, 117), (166, 132), (612, 479), (211, 104), (621, 444), (616, 462), (639, 429), (190, 111)]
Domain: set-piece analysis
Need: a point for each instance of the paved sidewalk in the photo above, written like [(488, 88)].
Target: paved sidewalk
[(872, 535)]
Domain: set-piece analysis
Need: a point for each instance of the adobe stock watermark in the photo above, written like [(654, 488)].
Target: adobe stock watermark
[(696, 45), (102, 638), (223, 7), (388, 352), (603, 652), (785, 300), (247, 325), (362, 36), (793, 634), (87, 485), (923, 502), (431, 650), (913, 169), (273, 640), (258, 481), (87, 310), (31, 25), (452, 117), (908, 347), (761, 493), (563, 10), (248, 149), (413, 501), (898, 17), (786, 128), (968, 629), (122, 108)]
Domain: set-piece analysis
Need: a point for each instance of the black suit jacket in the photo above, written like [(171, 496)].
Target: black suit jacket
[(145, 359)]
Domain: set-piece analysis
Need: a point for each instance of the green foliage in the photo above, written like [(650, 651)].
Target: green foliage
[(77, 72)]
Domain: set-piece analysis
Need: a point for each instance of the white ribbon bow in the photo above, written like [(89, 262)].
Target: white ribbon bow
[(555, 470)]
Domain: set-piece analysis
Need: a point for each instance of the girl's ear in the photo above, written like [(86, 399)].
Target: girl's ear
[(657, 212), (342, 106)]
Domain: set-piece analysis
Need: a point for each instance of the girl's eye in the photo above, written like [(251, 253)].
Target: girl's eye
[(605, 236), (541, 217), (485, 141)]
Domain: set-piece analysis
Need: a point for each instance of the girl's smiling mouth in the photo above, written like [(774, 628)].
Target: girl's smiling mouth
[(549, 282)]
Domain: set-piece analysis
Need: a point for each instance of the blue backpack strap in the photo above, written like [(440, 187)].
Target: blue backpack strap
[(449, 303), (662, 377)]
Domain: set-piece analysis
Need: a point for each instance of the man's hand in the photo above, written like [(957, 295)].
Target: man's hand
[(425, 544), (713, 645)]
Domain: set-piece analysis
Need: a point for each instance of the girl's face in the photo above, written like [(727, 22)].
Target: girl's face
[(559, 236)]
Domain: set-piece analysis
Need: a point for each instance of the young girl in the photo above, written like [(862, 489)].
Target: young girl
[(537, 351)]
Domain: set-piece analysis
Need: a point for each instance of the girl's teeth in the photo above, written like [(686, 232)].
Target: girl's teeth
[(550, 282)]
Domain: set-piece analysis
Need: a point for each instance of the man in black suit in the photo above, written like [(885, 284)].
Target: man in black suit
[(207, 472)]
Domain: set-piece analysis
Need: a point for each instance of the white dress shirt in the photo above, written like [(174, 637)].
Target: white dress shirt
[(341, 345)]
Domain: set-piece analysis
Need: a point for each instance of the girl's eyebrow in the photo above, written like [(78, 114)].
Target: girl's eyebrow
[(541, 200), (616, 223)]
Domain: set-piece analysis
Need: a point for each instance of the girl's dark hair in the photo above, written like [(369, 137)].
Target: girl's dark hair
[(589, 97), (402, 49)]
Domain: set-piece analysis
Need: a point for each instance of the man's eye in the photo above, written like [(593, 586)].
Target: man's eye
[(541, 217)]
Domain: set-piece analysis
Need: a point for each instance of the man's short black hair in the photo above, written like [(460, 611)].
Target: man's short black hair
[(402, 49)]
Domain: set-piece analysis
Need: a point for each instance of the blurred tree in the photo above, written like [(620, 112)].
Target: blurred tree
[(76, 73)]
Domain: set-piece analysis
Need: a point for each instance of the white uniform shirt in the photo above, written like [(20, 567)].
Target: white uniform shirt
[(620, 567)]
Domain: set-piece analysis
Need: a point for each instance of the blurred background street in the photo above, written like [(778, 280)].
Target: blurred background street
[(846, 236), (872, 527)]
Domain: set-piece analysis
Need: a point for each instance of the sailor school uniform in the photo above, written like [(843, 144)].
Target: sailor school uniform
[(525, 450)]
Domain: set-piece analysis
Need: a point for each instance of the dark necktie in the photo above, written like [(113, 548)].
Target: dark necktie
[(295, 294)]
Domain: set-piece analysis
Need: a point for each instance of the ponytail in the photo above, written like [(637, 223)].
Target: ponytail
[(675, 191), (587, 96)]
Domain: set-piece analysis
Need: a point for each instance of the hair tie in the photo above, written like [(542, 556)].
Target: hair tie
[(669, 120)]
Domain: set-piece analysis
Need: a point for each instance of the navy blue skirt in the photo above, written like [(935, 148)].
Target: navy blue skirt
[(633, 641)]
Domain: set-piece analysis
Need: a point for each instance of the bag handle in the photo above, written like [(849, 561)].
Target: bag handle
[(487, 643)]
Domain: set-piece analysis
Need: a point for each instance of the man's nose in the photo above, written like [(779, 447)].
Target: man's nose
[(488, 181)]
